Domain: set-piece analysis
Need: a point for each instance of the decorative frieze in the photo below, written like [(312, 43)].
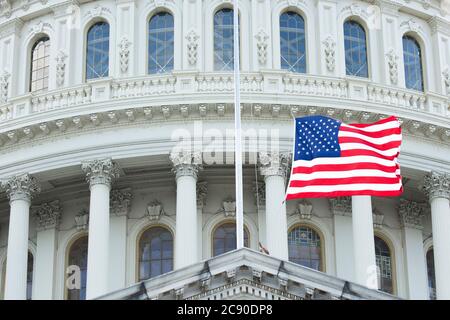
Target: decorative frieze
[(120, 201), (124, 54), (261, 46), (155, 210), (192, 46), (60, 68), (47, 215), (186, 163), (274, 164), (330, 53), (411, 214), (4, 86), (100, 171), (21, 187), (341, 206), (82, 220), (436, 185), (392, 58)]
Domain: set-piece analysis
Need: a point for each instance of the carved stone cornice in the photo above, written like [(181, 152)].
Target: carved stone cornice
[(274, 164), (120, 201), (21, 187), (186, 163), (341, 206), (100, 171), (411, 214), (47, 215), (436, 185), (13, 26)]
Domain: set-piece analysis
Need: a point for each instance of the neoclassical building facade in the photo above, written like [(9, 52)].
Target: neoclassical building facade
[(116, 148)]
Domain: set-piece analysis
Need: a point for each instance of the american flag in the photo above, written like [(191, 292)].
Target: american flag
[(333, 159)]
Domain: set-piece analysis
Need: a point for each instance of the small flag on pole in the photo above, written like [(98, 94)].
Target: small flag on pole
[(333, 159)]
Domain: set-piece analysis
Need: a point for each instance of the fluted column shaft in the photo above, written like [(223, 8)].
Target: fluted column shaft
[(185, 167), (363, 242), (437, 187), (274, 168), (99, 174), (20, 190)]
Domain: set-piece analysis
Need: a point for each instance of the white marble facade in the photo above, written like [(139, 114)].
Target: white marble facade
[(96, 156)]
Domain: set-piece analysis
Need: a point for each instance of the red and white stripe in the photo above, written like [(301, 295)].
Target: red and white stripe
[(367, 166)]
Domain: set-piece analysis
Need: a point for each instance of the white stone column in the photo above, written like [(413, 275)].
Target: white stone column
[(20, 190), (343, 237), (99, 174), (437, 188), (120, 204), (274, 168), (47, 217), (185, 167), (411, 214), (364, 242)]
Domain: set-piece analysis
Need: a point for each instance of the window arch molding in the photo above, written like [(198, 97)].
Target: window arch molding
[(348, 15), (390, 244), (138, 238), (419, 38), (29, 44), (212, 7), (303, 11), (326, 235), (142, 47), (133, 238), (218, 219), (112, 45)]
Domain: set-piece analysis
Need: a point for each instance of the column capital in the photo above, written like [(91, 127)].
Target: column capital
[(100, 171), (436, 185), (186, 163), (120, 201), (47, 215), (274, 164), (21, 187), (341, 206), (411, 214)]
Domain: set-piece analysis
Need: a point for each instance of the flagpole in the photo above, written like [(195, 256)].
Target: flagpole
[(237, 132)]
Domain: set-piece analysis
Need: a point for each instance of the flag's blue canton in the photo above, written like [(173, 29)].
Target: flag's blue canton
[(316, 137)]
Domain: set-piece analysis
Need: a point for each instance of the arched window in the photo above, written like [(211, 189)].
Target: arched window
[(224, 238), (30, 266), (155, 252), (97, 54), (77, 258), (305, 247), (431, 276), (223, 40), (160, 43), (292, 42), (40, 63), (383, 259), (412, 58), (355, 49)]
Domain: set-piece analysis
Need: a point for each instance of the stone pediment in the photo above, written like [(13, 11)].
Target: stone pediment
[(246, 274)]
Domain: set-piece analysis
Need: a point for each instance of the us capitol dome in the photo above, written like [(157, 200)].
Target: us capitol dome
[(95, 96)]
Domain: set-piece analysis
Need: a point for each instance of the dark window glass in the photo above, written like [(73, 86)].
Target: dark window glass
[(29, 275), (304, 246), (160, 43), (78, 254), (355, 50), (97, 55), (431, 276), (155, 253), (413, 63), (40, 62), (223, 40), (384, 263), (224, 238), (292, 42)]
